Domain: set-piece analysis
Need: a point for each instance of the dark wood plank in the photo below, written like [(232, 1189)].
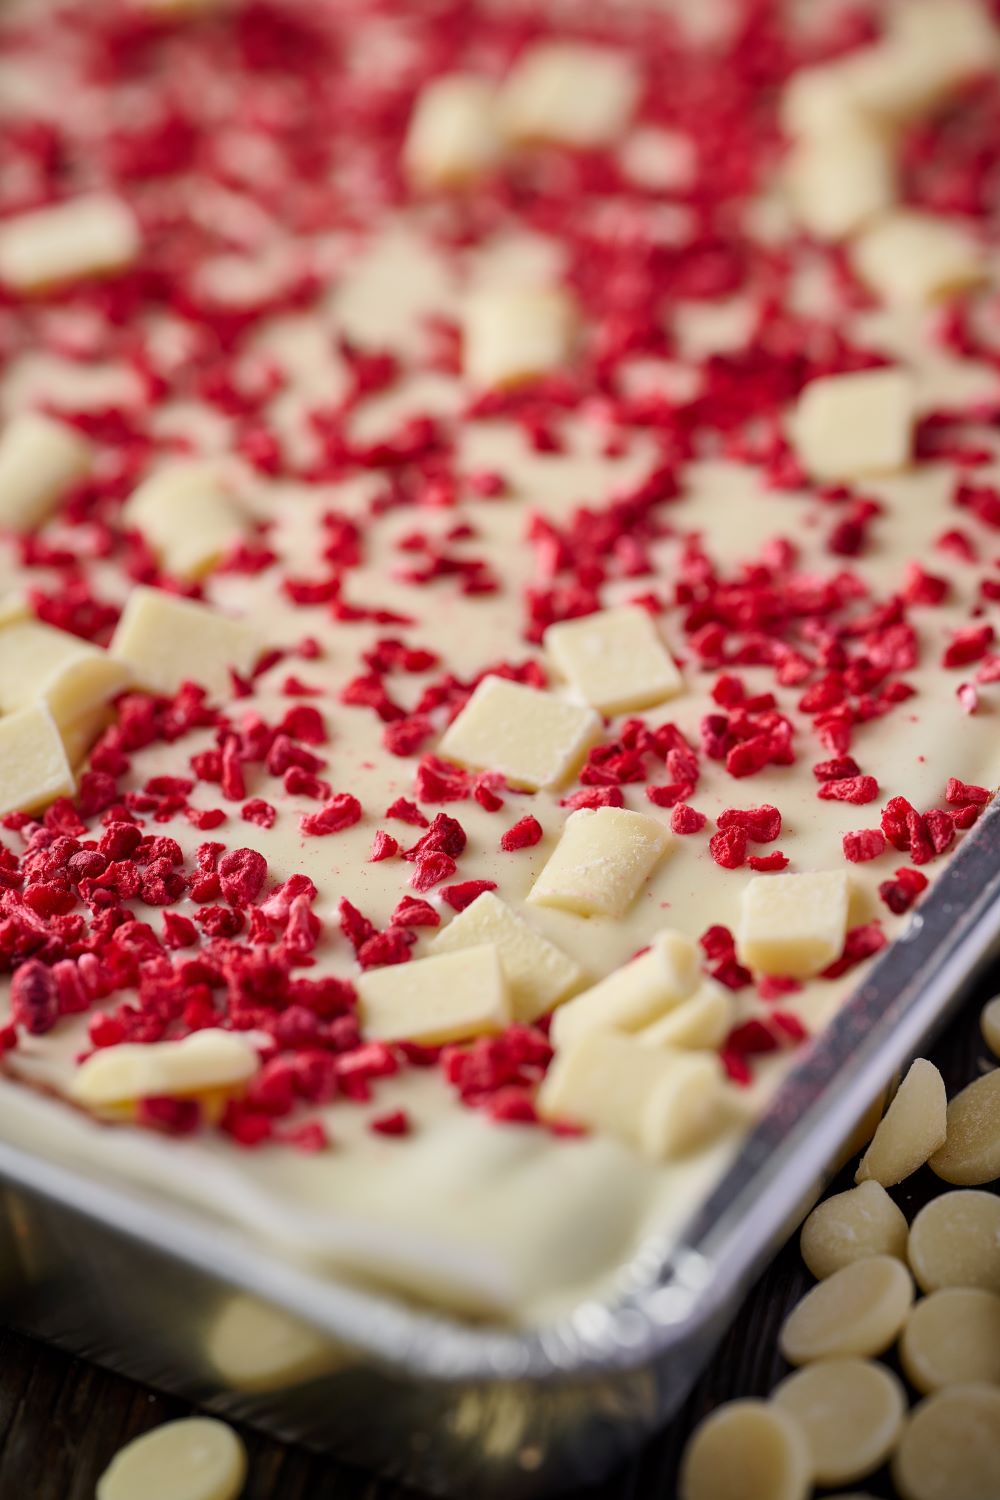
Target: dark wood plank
[(62, 1420)]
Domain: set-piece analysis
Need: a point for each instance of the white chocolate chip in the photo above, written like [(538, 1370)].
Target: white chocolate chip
[(34, 770), (971, 1153), (840, 181), (615, 660), (851, 1413), (532, 738), (195, 1458), (539, 975), (660, 1101), (512, 334), (39, 460), (856, 425), (851, 1226), (636, 994), (859, 1310), (570, 93), (256, 1347), (167, 641), (446, 998), (187, 517), (202, 1063), (911, 1130), (955, 1241), (701, 1022), (949, 1448), (601, 861), (940, 44), (793, 924), (453, 136), (916, 258), (746, 1450), (84, 237), (75, 679), (952, 1337), (989, 1024)]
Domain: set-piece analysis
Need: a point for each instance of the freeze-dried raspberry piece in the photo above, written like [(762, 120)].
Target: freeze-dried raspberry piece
[(958, 792), (342, 811), (941, 829), (855, 789), (968, 644), (865, 844), (412, 912), (762, 825), (729, 847), (444, 836), (894, 822), (242, 873), (393, 1122), (431, 869), (34, 998), (838, 769), (765, 863), (860, 943), (407, 812), (439, 781), (465, 892), (385, 948), (900, 894), (521, 835), (597, 796), (686, 819), (384, 846)]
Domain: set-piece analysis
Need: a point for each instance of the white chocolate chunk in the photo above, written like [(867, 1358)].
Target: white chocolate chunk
[(453, 135), (85, 237), (746, 1450), (659, 1101), (913, 258), (850, 1226), (971, 1153), (570, 93), (952, 1337), (256, 1347), (539, 975), (699, 1023), (634, 995), (533, 739), (852, 426), (34, 770), (202, 1063), (195, 1458), (511, 334), (989, 1025), (75, 679), (859, 1310), (187, 517), (941, 44), (851, 1413), (949, 1448), (840, 181), (167, 641), (793, 924), (911, 1130), (445, 998), (601, 861), (615, 660), (39, 460), (818, 102), (13, 607), (955, 1241)]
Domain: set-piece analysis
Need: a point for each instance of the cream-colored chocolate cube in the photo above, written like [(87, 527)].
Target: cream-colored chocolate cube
[(539, 974), (818, 102), (448, 997), (658, 1101), (603, 858), (13, 607), (937, 45), (512, 334), (839, 182), (34, 770), (615, 660), (167, 641), (84, 237), (39, 459), (532, 738), (700, 1023), (187, 517), (635, 995), (76, 680), (204, 1063), (570, 93), (453, 135), (793, 925), (855, 426), (912, 258)]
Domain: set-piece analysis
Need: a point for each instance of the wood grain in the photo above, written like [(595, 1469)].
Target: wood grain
[(62, 1420)]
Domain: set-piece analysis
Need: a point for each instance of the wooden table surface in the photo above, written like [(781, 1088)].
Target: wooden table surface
[(62, 1419)]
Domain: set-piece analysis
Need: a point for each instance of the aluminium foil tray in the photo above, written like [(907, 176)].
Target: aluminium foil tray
[(460, 1409)]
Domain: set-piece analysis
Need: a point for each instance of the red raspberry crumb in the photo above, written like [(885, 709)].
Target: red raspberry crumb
[(962, 791), (242, 873), (855, 789), (172, 1116), (384, 846), (686, 819), (860, 943), (865, 844), (465, 892), (967, 644), (594, 796), (34, 998), (342, 811), (407, 812), (729, 847), (260, 812), (412, 912), (836, 770), (762, 825), (765, 863), (523, 835), (394, 1122)]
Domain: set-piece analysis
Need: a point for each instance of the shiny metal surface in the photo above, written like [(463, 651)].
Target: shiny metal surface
[(461, 1409)]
